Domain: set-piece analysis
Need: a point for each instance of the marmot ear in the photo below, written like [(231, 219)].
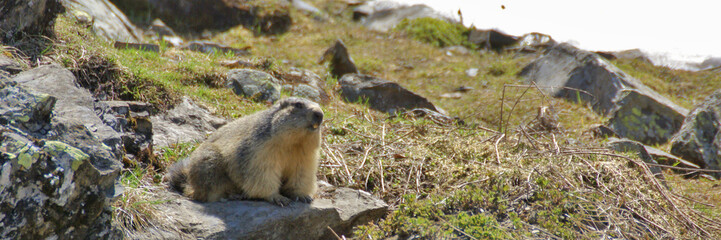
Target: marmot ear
[(284, 103)]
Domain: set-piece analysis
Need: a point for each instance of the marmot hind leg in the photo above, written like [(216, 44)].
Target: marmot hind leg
[(207, 181)]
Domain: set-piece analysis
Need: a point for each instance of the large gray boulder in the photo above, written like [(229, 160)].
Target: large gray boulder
[(186, 122), (256, 85), (340, 209), (581, 76), (380, 94), (699, 139), (21, 18), (56, 178), (108, 20)]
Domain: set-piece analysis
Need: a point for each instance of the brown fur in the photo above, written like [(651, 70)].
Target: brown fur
[(271, 155)]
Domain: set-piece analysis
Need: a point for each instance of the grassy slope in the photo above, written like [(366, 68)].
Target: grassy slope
[(441, 181)]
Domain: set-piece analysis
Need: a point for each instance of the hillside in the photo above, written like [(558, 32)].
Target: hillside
[(495, 170)]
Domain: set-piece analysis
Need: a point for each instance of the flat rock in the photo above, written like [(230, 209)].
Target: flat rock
[(380, 94), (338, 208), (186, 122), (658, 155), (581, 76), (699, 139)]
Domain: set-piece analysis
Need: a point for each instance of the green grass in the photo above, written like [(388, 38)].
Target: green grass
[(435, 32)]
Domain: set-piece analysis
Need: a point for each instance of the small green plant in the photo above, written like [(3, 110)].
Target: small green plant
[(437, 32)]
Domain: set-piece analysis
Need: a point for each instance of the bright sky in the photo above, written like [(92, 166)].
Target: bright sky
[(678, 28)]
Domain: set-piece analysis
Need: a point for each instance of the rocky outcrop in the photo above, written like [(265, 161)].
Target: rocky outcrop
[(256, 85), (337, 208), (340, 61), (107, 20), (186, 122), (580, 76), (208, 15), (383, 16), (380, 94), (699, 139), (21, 18), (132, 120), (57, 178)]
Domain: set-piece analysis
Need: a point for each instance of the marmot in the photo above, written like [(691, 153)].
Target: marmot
[(271, 155)]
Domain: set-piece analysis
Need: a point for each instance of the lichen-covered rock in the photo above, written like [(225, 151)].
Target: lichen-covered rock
[(699, 139), (186, 122), (338, 208), (50, 189), (253, 84), (24, 109), (380, 94), (644, 119)]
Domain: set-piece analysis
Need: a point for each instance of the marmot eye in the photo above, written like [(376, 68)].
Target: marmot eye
[(298, 105)]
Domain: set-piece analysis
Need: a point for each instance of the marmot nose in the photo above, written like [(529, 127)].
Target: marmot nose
[(317, 117)]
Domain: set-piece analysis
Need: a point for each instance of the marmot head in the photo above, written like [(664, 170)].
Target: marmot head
[(297, 114)]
